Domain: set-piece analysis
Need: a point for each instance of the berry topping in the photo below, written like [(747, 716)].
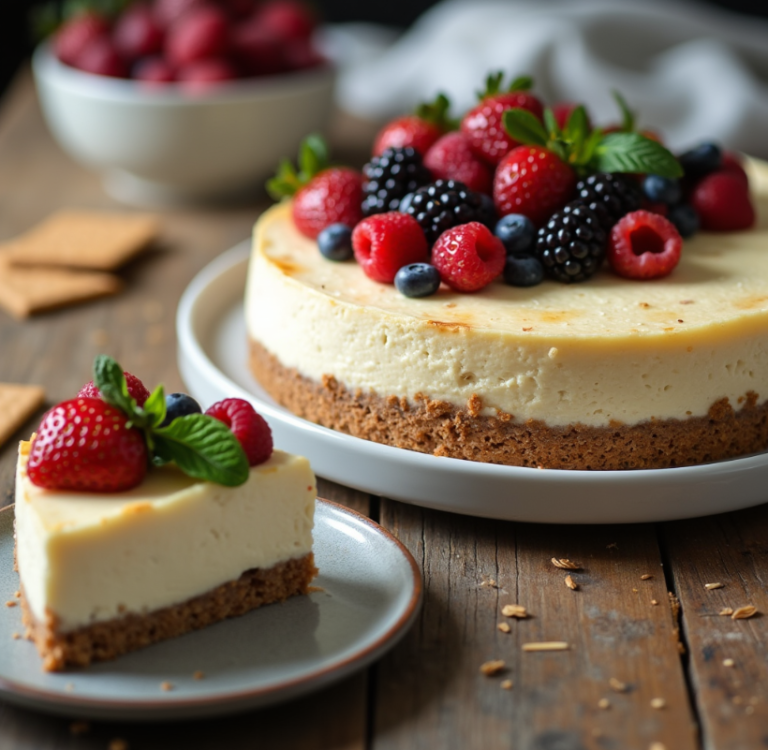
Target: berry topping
[(287, 20), (722, 201), (200, 34), (700, 161), (733, 165), (154, 70), (200, 76), (445, 204), (523, 270), (468, 257), (100, 57), (643, 245), (136, 389), (76, 34), (335, 242), (137, 33), (390, 177), (179, 405), (685, 219), (322, 195), (384, 243), (483, 125), (451, 158), (419, 131), (533, 181), (609, 195), (662, 189), (249, 427), (571, 246), (417, 280), (85, 444), (517, 233)]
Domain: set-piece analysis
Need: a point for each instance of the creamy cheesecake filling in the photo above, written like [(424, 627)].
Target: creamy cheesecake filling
[(86, 558), (609, 350)]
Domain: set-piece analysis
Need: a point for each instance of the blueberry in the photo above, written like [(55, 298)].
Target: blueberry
[(335, 242), (685, 219), (662, 189), (700, 161), (517, 233), (523, 270), (179, 405), (417, 280)]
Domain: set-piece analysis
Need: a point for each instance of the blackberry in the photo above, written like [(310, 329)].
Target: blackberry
[(391, 176), (571, 246), (447, 203), (610, 196)]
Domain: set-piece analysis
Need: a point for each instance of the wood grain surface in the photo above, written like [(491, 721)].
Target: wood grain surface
[(638, 673)]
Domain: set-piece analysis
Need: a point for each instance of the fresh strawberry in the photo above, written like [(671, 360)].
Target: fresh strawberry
[(533, 181), (76, 34), (287, 19), (247, 425), (85, 444), (721, 199), (732, 164), (256, 50), (419, 130), (100, 57), (483, 125), (154, 69), (167, 12), (451, 158), (136, 33), (644, 245), (201, 76), (384, 243), (322, 195), (136, 389), (468, 257), (199, 34)]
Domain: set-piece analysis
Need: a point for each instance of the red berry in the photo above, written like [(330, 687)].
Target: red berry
[(732, 164), (238, 8), (85, 444), (137, 34), (136, 389), (100, 58), (722, 202), (256, 50), (287, 19), (644, 245), (199, 34), (333, 196), (249, 427), (384, 243), (532, 181), (469, 257), (562, 111), (154, 70), (167, 12), (483, 124), (299, 54), (451, 158), (76, 34), (409, 130), (203, 75)]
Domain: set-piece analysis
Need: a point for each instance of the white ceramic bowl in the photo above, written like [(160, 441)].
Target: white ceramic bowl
[(162, 145)]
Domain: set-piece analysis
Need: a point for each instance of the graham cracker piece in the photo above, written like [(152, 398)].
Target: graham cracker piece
[(25, 291), (17, 404), (98, 240)]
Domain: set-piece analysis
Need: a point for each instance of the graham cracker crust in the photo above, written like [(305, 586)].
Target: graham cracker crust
[(112, 638), (440, 428)]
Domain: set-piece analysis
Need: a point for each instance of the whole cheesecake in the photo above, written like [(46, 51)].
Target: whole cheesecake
[(607, 374)]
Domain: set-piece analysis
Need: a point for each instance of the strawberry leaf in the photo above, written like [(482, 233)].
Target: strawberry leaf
[(203, 448), (524, 127), (550, 123), (577, 127), (492, 85), (627, 115), (521, 83), (632, 152), (436, 113)]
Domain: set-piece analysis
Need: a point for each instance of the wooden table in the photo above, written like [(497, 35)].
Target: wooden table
[(651, 663)]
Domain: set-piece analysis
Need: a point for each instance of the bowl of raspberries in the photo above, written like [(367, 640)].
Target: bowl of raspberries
[(176, 101)]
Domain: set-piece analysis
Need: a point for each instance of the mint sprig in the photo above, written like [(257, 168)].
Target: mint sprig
[(200, 445), (313, 159)]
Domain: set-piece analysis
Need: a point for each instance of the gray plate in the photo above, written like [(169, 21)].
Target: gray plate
[(371, 592)]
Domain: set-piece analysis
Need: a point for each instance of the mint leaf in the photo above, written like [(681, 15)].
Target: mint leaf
[(627, 115), (313, 157), (632, 152), (203, 448), (550, 123), (577, 127), (524, 127), (521, 83), (285, 183), (109, 379), (154, 408)]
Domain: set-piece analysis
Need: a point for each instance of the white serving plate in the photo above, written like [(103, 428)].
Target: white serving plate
[(213, 362)]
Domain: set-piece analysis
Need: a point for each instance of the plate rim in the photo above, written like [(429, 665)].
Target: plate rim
[(170, 708)]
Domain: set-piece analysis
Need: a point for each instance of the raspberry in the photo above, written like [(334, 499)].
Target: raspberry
[(199, 77), (137, 34), (136, 389), (100, 58), (334, 196), (643, 245), (200, 34), (721, 199), (249, 427), (468, 257), (76, 34), (451, 158), (384, 243), (85, 444)]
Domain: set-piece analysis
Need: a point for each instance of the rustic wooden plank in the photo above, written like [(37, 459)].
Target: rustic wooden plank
[(429, 691), (731, 549)]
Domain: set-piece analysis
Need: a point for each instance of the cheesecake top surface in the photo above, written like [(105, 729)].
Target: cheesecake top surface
[(722, 278)]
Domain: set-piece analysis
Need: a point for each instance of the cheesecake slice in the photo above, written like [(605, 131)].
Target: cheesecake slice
[(105, 574)]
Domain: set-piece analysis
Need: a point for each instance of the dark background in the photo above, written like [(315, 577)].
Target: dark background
[(16, 40)]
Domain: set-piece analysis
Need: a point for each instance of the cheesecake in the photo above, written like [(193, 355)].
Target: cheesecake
[(103, 574), (609, 374)]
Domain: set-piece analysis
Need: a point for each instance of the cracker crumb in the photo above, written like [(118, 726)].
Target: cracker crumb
[(315, 589), (604, 703), (654, 603), (17, 594), (166, 685), (492, 667), (514, 610), (658, 703), (504, 627), (11, 603), (77, 728), (506, 685), (565, 564), (489, 583), (742, 613), (635, 591), (571, 584), (711, 586), (726, 611), (728, 662), (646, 576), (617, 685), (198, 675), (15, 635), (657, 746), (546, 646), (530, 328), (118, 744)]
